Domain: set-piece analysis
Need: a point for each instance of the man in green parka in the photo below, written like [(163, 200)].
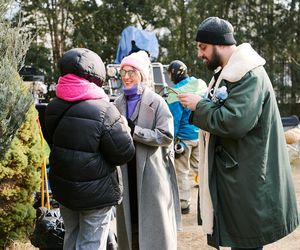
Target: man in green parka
[(247, 197)]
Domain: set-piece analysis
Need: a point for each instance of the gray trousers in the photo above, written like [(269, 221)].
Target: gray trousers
[(86, 230), (186, 163)]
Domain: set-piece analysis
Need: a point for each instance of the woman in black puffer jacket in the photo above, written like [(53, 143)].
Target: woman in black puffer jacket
[(89, 140)]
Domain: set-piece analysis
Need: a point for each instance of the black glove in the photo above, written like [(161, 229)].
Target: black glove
[(131, 126)]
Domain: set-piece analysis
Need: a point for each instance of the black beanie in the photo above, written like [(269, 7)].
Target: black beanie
[(214, 30)]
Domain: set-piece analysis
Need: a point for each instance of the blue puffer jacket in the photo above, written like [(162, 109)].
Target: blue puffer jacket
[(89, 141)]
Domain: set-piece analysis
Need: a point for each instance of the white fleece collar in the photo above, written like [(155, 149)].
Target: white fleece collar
[(243, 59)]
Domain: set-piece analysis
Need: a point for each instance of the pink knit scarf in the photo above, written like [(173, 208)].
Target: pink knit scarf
[(74, 88)]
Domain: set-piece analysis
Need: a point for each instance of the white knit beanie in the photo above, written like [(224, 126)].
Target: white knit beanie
[(140, 61)]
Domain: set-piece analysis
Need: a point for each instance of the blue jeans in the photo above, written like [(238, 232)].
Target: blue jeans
[(236, 248), (86, 229)]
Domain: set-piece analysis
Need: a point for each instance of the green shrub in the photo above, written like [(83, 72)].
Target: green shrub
[(19, 179)]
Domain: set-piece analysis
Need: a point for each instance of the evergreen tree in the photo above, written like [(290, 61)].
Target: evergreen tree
[(20, 147)]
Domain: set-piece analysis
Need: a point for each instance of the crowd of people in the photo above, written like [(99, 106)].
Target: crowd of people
[(135, 155)]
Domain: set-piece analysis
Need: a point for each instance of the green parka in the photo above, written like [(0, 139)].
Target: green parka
[(249, 174)]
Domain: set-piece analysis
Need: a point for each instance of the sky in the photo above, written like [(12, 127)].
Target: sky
[(13, 9)]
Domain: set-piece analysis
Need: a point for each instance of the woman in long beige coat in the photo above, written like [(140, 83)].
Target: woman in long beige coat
[(149, 215)]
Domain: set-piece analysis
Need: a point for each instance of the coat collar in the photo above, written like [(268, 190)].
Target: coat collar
[(146, 100), (120, 102), (243, 59)]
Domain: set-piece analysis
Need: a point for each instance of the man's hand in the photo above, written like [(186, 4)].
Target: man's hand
[(189, 100)]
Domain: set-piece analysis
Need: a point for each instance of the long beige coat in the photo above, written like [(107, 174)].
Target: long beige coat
[(157, 191)]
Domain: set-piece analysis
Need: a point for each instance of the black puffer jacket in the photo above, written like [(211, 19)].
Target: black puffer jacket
[(89, 140)]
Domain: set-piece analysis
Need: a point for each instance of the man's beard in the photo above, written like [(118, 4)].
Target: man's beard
[(215, 61)]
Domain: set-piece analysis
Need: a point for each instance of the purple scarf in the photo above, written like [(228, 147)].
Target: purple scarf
[(132, 98)]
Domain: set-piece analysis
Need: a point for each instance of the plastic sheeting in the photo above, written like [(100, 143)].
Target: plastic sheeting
[(144, 40)]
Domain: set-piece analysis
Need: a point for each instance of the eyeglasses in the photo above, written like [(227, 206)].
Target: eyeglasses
[(130, 73)]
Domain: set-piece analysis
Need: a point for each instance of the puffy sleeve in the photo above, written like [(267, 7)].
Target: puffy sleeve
[(116, 143)]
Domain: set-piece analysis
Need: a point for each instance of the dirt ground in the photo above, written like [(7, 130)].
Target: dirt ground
[(192, 237)]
